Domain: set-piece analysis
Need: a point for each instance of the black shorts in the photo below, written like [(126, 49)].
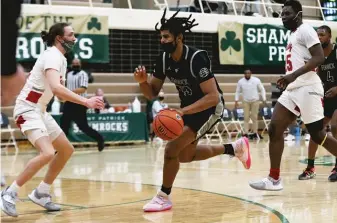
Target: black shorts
[(202, 122), (330, 105)]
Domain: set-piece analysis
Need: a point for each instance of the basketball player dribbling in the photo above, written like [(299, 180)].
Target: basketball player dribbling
[(303, 93), (202, 104), (46, 79)]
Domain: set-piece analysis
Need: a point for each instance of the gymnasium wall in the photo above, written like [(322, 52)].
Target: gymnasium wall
[(133, 41)]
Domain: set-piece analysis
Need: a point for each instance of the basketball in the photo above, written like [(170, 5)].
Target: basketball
[(168, 124)]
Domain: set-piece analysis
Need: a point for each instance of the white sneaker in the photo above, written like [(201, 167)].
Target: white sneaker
[(307, 137), (161, 202), (289, 137), (8, 202), (267, 183), (242, 151), (44, 200)]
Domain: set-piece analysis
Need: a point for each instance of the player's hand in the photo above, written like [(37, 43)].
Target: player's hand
[(140, 74), (332, 92), (284, 81), (179, 111), (95, 102)]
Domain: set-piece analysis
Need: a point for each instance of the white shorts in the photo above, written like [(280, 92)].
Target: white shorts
[(36, 124), (306, 101)]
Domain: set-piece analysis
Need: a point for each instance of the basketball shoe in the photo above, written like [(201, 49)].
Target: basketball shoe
[(333, 176), (8, 202), (267, 183), (242, 151), (44, 200), (308, 173), (161, 202)]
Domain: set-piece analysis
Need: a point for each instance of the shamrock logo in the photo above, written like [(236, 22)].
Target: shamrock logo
[(94, 23), (230, 42)]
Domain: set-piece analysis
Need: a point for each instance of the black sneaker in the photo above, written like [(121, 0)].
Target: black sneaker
[(100, 146), (333, 176), (308, 173)]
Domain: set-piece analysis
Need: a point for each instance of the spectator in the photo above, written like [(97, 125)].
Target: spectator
[(107, 107), (249, 87)]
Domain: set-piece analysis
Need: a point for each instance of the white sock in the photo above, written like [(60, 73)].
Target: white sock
[(44, 188), (14, 187)]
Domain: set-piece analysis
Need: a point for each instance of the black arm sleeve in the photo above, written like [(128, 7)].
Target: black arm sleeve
[(10, 11), (201, 67), (158, 71)]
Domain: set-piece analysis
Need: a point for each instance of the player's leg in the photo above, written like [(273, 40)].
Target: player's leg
[(284, 114), (333, 176), (313, 115), (82, 123), (41, 194), (41, 141), (309, 172)]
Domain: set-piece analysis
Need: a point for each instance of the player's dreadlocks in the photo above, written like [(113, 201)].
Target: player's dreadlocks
[(176, 25)]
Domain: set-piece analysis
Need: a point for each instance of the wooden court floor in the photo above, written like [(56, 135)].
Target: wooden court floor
[(113, 186)]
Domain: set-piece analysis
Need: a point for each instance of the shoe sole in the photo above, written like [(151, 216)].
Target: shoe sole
[(153, 210), (30, 198), (2, 208), (307, 178), (265, 189), (248, 162)]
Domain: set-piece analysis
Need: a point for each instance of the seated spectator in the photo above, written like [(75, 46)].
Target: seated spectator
[(100, 92)]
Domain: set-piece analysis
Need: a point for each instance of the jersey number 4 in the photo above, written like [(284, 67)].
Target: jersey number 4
[(329, 77)]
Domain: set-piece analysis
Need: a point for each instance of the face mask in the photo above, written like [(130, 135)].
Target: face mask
[(161, 98), (76, 68), (325, 45), (247, 78), (291, 24), (169, 47), (68, 45)]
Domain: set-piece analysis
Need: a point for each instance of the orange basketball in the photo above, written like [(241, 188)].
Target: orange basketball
[(168, 124)]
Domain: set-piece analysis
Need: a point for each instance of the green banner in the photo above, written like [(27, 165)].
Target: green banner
[(247, 44), (92, 33), (113, 127)]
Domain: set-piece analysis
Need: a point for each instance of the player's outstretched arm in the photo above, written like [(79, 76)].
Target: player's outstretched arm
[(149, 89), (53, 78)]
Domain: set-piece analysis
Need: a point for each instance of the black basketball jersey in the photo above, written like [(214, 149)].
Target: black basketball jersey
[(187, 74), (328, 70)]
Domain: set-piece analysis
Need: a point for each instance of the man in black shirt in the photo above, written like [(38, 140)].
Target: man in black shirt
[(328, 74), (202, 104)]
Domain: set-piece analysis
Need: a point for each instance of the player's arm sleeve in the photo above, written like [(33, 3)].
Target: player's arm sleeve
[(309, 37), (201, 67), (51, 62), (159, 67), (9, 14)]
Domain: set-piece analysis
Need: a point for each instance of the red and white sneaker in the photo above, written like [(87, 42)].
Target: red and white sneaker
[(242, 151), (161, 202)]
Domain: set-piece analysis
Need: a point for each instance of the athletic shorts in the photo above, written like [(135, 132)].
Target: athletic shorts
[(330, 105), (306, 101), (30, 118), (203, 122)]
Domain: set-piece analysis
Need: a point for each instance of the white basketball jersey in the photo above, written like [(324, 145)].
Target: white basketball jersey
[(37, 92), (297, 54)]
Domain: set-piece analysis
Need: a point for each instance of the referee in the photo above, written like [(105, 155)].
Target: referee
[(77, 81)]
